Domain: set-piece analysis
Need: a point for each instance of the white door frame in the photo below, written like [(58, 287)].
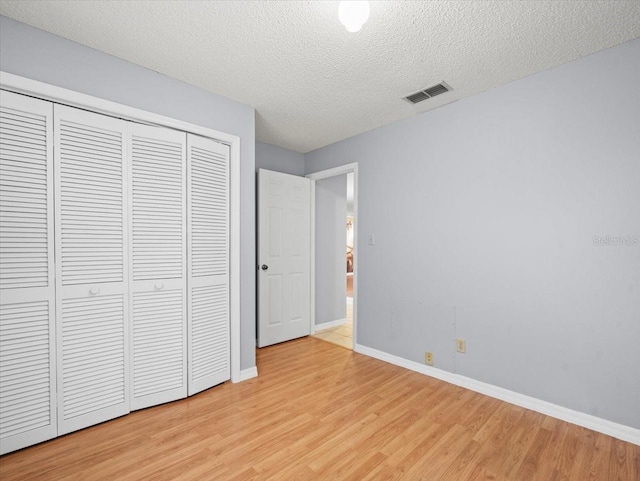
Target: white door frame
[(22, 85), (325, 174)]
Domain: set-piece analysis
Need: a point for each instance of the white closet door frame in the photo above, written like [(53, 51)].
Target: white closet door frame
[(15, 301), (158, 324), (18, 84)]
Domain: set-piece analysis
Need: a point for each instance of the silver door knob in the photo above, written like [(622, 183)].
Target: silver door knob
[(265, 267)]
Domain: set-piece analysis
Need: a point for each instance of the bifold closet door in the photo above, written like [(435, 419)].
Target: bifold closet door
[(91, 268), (27, 288), (158, 265), (208, 284)]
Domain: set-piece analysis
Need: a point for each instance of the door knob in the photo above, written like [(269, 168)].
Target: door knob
[(265, 267)]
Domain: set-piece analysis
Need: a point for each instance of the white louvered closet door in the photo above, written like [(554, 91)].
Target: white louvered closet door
[(91, 268), (158, 265), (208, 215), (27, 289)]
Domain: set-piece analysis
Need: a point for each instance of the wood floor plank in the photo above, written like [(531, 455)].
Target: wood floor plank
[(320, 412), (531, 463), (547, 471), (440, 456), (496, 450), (620, 466)]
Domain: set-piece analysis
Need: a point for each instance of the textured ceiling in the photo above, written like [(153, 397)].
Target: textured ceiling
[(313, 83)]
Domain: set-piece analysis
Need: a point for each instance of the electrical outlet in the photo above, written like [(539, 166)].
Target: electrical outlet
[(428, 358), (461, 345)]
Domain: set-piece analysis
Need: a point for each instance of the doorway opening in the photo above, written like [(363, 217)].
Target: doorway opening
[(334, 265)]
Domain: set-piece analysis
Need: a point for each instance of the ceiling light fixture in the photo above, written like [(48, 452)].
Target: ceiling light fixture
[(353, 15)]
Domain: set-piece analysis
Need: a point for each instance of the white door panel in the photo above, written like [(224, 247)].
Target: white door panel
[(208, 329), (27, 287), (158, 275), (91, 349), (92, 268), (158, 343), (284, 240)]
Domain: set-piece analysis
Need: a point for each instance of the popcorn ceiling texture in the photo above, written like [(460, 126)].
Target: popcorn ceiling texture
[(311, 82)]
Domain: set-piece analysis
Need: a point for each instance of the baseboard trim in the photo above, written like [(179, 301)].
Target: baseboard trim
[(329, 325), (249, 373), (610, 428)]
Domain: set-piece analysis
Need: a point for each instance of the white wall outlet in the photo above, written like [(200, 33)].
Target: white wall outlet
[(461, 345), (428, 358), (372, 240)]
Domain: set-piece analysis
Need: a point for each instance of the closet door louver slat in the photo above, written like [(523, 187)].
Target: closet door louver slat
[(158, 265), (210, 326), (85, 193), (208, 211), (92, 334), (24, 190), (92, 268), (26, 374), (27, 300), (159, 358)]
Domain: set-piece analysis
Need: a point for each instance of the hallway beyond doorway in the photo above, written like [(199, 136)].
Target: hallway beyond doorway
[(341, 335)]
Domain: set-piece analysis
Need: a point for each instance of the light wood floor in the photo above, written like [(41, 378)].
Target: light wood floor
[(320, 412)]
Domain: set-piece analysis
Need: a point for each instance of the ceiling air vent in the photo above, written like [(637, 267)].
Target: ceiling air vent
[(428, 93)]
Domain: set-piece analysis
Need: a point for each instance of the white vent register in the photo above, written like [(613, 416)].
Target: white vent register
[(428, 93)]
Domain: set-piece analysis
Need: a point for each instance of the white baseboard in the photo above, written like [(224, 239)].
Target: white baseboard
[(248, 373), (329, 325), (619, 431)]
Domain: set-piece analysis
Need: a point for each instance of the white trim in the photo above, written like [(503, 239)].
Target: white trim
[(60, 95), (22, 85), (333, 172), (312, 258), (234, 260), (610, 428), (247, 374), (324, 174), (329, 325)]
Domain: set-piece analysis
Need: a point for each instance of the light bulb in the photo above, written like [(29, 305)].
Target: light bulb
[(353, 14)]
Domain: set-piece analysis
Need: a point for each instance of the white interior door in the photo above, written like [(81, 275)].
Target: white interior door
[(284, 245), (91, 269), (27, 288), (158, 281), (208, 324)]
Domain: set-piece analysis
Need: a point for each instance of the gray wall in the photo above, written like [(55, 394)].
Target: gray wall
[(272, 157), (331, 246), (38, 55), (486, 213)]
